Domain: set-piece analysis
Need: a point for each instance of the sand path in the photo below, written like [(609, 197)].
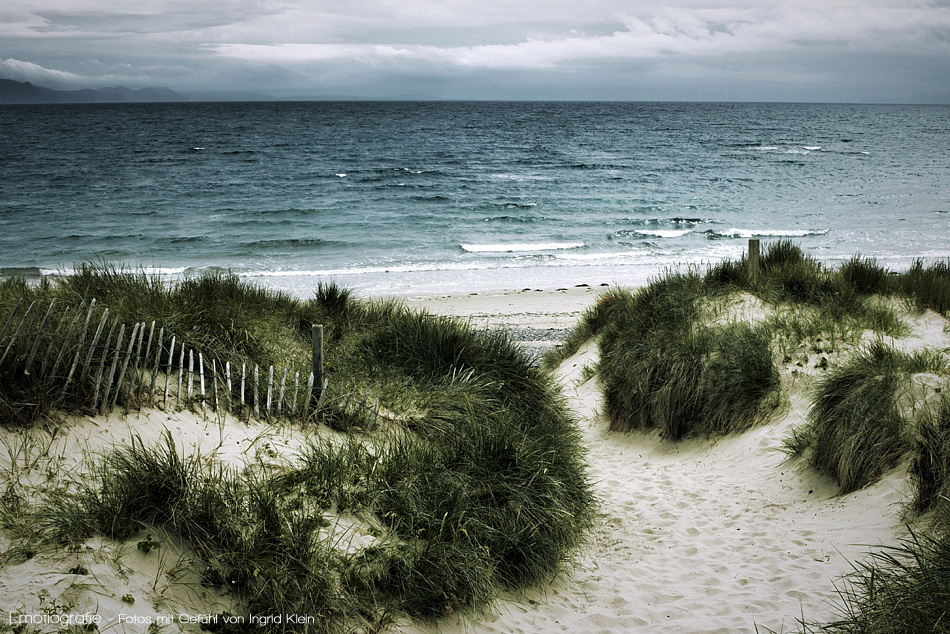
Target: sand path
[(700, 536)]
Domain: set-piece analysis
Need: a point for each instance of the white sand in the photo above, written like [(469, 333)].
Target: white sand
[(697, 536)]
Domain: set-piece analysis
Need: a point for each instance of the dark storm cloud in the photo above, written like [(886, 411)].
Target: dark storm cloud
[(804, 49)]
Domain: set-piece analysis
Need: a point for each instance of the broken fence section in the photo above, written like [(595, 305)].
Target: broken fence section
[(84, 357)]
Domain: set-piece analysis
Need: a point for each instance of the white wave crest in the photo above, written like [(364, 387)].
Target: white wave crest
[(768, 233), (520, 247)]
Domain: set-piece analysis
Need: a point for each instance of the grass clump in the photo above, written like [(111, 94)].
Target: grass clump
[(856, 430), (472, 480), (902, 588), (662, 369), (930, 468)]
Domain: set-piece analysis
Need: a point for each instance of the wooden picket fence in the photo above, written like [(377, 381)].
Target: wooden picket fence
[(145, 366)]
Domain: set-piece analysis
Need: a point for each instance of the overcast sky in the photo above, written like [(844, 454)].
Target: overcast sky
[(794, 50)]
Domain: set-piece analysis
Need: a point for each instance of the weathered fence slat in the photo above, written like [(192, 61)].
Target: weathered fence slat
[(257, 377), (293, 408), (55, 338), (201, 372), (16, 333), (82, 340), (138, 356), (316, 344), (214, 383), (158, 361), (102, 364), (191, 373), (69, 336), (125, 362), (243, 377), (168, 369), (181, 371), (112, 368), (24, 344), (95, 340), (308, 396), (6, 326), (280, 397), (270, 389), (39, 336)]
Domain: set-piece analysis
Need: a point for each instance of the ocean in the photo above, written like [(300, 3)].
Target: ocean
[(459, 197)]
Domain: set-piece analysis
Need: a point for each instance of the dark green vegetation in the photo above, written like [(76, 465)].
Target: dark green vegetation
[(668, 361), (473, 482), (856, 431), (662, 368)]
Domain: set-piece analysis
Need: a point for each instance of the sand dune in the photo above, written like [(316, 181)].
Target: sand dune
[(696, 536)]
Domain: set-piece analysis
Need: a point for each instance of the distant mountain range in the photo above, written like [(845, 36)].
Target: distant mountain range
[(16, 92)]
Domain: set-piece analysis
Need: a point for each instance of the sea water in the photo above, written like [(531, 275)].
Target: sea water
[(419, 197)]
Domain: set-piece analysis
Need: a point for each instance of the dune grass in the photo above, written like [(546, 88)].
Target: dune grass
[(474, 480), (661, 368), (856, 430)]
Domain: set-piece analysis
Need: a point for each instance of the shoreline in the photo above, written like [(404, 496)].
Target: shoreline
[(537, 319)]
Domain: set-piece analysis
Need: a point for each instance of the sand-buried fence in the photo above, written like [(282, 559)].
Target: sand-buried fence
[(144, 365)]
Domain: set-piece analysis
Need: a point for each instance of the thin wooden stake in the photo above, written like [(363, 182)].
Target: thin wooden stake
[(115, 363), (201, 371), (227, 376), (125, 363), (24, 345), (158, 362), (309, 396), (6, 326), (214, 383), (17, 332), (95, 340), (270, 389), (66, 340), (257, 376), (56, 338), (181, 372), (39, 336), (280, 397), (293, 408), (168, 369), (191, 372), (82, 340), (323, 392), (102, 365), (243, 380), (316, 344), (138, 358)]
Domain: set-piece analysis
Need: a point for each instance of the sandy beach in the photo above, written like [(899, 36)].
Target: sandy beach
[(697, 536)]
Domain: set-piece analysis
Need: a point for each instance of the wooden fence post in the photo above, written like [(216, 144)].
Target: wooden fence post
[(753, 256), (316, 336)]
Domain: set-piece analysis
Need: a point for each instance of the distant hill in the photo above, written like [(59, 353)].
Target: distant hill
[(16, 92)]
